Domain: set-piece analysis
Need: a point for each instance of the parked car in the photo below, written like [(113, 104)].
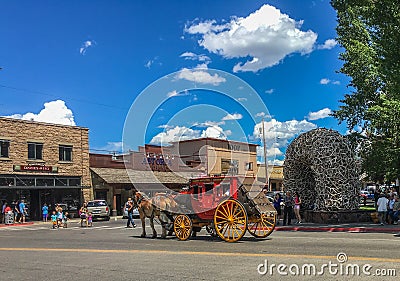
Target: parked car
[(366, 194), (135, 213), (99, 209)]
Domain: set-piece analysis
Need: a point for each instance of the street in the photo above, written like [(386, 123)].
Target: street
[(109, 251)]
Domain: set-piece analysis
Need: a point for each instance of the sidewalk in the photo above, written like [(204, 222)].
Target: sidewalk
[(363, 227), (306, 227)]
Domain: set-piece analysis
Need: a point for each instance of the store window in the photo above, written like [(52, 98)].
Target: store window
[(65, 153), (249, 166), (4, 146), (35, 151)]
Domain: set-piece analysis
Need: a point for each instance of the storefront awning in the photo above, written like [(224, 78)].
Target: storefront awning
[(44, 187)]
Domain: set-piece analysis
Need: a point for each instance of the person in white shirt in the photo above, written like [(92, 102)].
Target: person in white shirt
[(382, 207)]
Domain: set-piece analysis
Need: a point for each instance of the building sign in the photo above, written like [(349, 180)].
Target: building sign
[(35, 168)]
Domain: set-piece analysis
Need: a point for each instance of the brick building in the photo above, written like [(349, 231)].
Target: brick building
[(44, 163)]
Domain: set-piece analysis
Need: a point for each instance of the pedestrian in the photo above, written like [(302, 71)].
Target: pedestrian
[(3, 219), (129, 208), (288, 208), (65, 220), (297, 203), (396, 210), (22, 211), (89, 221), (60, 216), (54, 219), (382, 204), (83, 214), (389, 214), (277, 206), (14, 206), (45, 212)]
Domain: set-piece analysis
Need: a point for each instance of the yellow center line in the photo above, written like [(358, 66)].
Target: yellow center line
[(199, 253)]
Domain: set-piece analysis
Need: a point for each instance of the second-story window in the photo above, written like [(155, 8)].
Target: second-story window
[(35, 151), (65, 153), (4, 147)]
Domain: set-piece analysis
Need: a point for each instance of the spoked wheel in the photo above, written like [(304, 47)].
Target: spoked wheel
[(262, 225), (230, 220), (182, 227)]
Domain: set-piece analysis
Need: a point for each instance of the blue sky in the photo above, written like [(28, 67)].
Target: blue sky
[(229, 63)]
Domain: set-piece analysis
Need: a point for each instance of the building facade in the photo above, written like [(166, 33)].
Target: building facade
[(44, 163), (275, 176), (216, 157)]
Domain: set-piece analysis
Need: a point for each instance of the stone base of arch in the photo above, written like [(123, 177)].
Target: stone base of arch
[(337, 217)]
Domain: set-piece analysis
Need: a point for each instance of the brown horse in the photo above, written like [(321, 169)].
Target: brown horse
[(160, 206)]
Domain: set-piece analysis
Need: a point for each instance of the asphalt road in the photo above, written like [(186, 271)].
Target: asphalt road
[(109, 251)]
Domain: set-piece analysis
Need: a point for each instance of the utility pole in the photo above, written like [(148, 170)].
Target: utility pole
[(265, 157)]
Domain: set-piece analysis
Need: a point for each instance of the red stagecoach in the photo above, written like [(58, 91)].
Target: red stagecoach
[(226, 206)]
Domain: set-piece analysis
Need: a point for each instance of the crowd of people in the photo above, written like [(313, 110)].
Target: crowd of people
[(387, 204), (290, 204), (17, 209)]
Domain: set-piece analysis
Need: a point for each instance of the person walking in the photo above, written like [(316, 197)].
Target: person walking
[(382, 204), (83, 214), (45, 212), (297, 203), (288, 209), (129, 209), (3, 219), (22, 211), (277, 206)]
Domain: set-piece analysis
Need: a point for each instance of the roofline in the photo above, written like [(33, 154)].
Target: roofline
[(42, 123), (215, 139)]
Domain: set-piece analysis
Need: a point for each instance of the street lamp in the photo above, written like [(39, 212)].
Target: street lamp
[(265, 157)]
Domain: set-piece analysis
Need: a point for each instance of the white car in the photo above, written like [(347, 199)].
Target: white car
[(99, 209)]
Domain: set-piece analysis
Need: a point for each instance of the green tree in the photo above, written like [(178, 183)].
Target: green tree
[(369, 32)]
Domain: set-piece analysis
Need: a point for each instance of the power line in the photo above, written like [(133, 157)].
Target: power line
[(57, 97)]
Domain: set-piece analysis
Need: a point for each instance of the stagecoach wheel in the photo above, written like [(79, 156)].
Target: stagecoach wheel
[(182, 227), (262, 226), (230, 220)]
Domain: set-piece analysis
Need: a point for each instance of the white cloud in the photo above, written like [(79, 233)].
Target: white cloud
[(200, 75), (326, 81), (328, 44), (260, 114), (277, 136), (55, 112), (235, 116), (179, 133), (215, 132), (174, 93), (323, 113), (175, 134), (110, 147), (270, 91), (148, 64), (87, 44), (193, 56), (241, 99), (282, 132), (267, 36)]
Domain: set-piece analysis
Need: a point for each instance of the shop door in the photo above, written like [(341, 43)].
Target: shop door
[(34, 205)]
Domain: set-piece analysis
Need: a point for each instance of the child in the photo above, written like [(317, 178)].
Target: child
[(89, 220), (65, 220), (59, 218), (54, 219)]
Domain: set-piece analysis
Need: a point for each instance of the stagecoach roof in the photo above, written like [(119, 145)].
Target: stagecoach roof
[(128, 176)]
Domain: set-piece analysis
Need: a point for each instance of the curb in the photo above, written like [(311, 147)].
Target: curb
[(17, 224), (341, 229)]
